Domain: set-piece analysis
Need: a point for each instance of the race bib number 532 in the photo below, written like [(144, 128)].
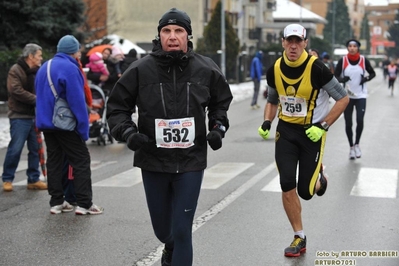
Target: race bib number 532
[(175, 133)]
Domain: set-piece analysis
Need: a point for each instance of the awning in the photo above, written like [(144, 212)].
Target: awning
[(124, 44)]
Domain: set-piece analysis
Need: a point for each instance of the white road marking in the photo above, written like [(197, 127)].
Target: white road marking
[(273, 185), (128, 178), (25, 182), (214, 177), (23, 165), (373, 182), (221, 173), (99, 164)]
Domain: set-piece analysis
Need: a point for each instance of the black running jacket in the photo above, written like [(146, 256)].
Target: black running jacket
[(169, 85)]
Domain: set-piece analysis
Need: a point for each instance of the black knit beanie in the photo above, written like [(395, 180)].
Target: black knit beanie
[(175, 17), (353, 41)]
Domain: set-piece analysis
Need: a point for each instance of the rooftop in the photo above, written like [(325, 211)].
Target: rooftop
[(290, 11)]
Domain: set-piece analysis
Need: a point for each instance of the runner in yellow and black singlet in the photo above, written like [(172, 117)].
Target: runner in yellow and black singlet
[(299, 89)]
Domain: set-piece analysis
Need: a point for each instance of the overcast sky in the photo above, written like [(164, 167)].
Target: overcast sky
[(380, 2)]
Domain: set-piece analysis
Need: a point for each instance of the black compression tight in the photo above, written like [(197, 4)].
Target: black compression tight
[(360, 105), (172, 201)]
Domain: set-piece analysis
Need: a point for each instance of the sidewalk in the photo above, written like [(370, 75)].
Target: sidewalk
[(240, 92)]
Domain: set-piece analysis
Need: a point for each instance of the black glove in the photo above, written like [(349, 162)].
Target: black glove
[(266, 125), (136, 140), (121, 132), (214, 139), (344, 79), (264, 129), (364, 79)]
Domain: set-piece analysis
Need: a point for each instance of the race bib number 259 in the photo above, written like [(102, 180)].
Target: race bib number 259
[(175, 133), (293, 106)]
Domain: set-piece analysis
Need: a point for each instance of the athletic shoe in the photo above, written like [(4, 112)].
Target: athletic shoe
[(94, 209), (297, 246), (64, 207), (166, 259), (39, 185), (7, 186), (358, 152), (323, 183), (352, 155)]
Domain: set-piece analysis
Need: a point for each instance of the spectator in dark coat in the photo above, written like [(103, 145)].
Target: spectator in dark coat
[(21, 112), (129, 58)]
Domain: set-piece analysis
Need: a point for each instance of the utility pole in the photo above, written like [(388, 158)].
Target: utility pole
[(333, 28), (300, 12), (223, 42)]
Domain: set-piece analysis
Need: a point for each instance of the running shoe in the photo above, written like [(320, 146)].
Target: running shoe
[(352, 154), (358, 152), (323, 184), (94, 209), (166, 259), (297, 246), (64, 207)]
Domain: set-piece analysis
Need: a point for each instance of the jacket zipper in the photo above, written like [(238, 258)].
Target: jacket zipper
[(188, 98), (174, 89), (163, 100)]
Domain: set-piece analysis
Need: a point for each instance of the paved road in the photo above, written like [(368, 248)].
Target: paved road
[(240, 219)]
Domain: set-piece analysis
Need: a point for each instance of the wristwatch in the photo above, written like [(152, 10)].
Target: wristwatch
[(221, 127), (325, 125)]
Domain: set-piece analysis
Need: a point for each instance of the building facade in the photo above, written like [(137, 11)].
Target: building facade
[(255, 21), (96, 14), (356, 11), (137, 20), (380, 19)]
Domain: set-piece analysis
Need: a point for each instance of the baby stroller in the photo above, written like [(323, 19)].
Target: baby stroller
[(98, 126)]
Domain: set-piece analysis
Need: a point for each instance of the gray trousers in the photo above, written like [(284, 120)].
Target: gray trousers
[(256, 91)]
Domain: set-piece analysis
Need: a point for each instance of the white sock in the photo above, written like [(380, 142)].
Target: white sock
[(301, 234)]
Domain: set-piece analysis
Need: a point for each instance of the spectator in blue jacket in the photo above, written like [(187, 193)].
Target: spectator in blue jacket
[(68, 81), (256, 75)]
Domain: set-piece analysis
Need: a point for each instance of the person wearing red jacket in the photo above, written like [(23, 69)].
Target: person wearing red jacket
[(354, 71), (392, 70)]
